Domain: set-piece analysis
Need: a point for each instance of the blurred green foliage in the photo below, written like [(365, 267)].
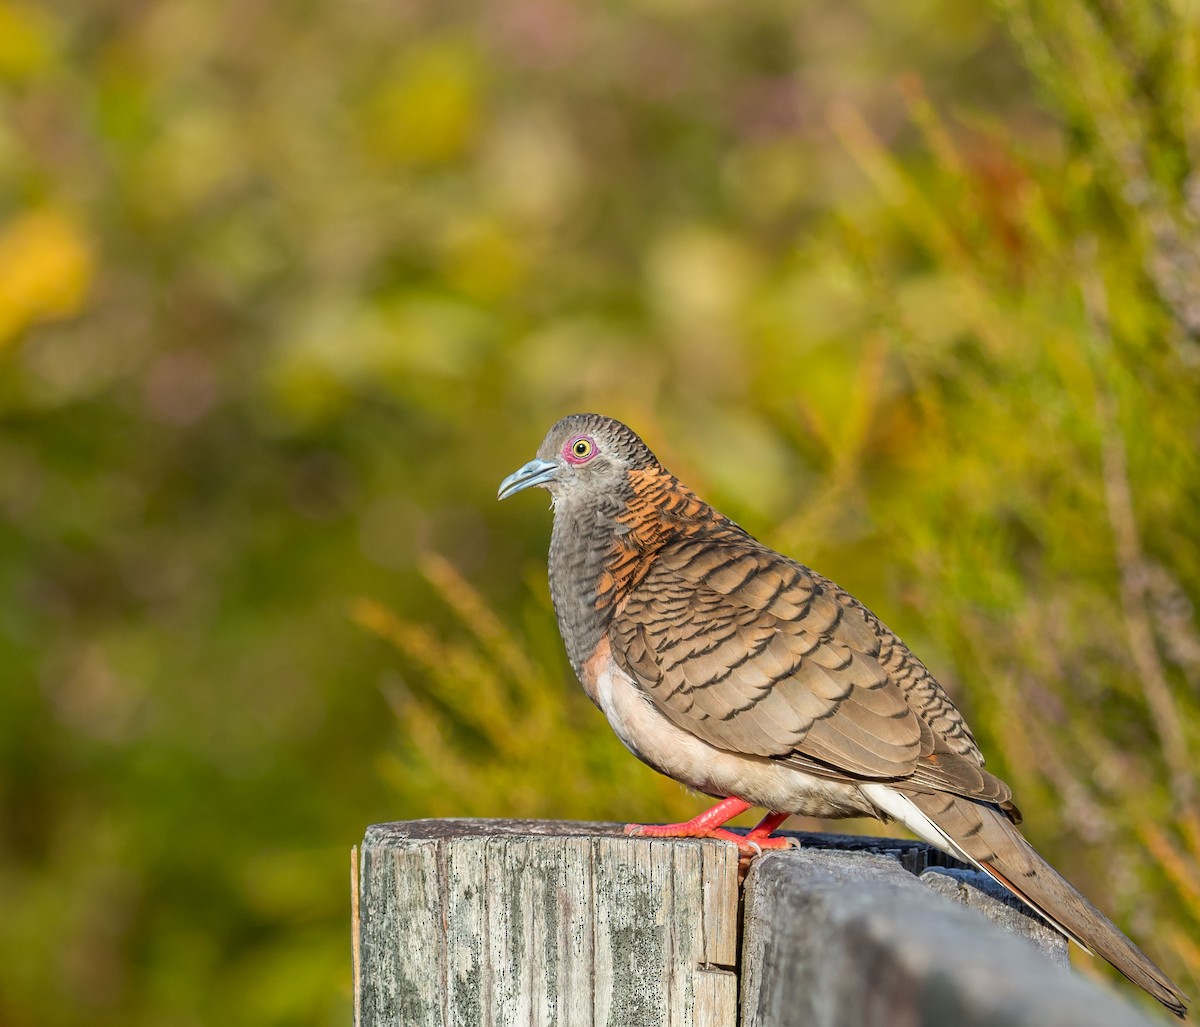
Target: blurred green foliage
[(911, 290)]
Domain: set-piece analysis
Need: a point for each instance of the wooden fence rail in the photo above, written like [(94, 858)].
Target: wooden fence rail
[(501, 923)]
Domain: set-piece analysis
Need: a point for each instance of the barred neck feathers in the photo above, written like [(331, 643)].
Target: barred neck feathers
[(602, 544)]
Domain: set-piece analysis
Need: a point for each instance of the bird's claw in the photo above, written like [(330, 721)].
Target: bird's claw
[(748, 845), (757, 845)]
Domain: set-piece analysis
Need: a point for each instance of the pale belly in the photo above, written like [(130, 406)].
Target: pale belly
[(677, 753)]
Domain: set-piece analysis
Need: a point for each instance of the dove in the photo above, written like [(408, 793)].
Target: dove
[(749, 677)]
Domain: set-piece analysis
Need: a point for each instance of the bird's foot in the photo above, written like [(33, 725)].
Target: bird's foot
[(756, 844), (708, 825), (750, 844), (700, 826), (746, 845)]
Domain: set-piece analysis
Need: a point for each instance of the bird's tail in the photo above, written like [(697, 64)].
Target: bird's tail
[(982, 836)]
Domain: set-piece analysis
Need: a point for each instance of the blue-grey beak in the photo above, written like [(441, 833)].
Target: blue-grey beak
[(536, 472)]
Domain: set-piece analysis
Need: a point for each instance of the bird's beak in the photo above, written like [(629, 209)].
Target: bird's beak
[(536, 472)]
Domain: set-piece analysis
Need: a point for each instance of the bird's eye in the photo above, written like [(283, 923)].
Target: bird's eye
[(580, 449)]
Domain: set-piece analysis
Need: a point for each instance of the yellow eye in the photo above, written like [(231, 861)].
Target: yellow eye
[(580, 449)]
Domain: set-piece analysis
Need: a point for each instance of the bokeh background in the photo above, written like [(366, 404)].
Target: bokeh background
[(910, 290)]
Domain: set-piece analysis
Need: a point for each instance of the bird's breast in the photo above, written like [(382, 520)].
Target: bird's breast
[(592, 565)]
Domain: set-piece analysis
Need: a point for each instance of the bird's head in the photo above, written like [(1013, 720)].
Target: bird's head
[(583, 454)]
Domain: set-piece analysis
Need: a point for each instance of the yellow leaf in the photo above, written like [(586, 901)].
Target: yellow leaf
[(46, 267), (427, 112), (26, 41)]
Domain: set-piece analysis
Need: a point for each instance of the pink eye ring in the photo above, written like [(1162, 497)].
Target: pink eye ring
[(579, 449)]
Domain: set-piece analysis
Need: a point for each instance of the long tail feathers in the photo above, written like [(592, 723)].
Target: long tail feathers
[(982, 836)]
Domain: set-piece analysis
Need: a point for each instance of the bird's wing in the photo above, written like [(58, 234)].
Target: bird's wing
[(756, 654)]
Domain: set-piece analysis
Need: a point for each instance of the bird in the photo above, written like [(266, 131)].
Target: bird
[(751, 678)]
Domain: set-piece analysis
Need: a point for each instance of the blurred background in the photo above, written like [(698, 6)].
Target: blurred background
[(912, 291)]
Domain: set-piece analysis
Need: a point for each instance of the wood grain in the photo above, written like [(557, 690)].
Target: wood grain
[(490, 923), (482, 925)]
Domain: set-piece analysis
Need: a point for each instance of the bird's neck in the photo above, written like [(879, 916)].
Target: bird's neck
[(601, 549)]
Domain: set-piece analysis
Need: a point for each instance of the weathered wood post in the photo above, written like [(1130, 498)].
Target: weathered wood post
[(483, 923), (524, 922)]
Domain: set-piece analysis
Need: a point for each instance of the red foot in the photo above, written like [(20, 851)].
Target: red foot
[(764, 827), (708, 825)]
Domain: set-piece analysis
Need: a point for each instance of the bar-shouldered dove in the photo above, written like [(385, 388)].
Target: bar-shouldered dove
[(753, 679)]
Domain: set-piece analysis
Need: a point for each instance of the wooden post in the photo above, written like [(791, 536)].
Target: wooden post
[(491, 923), (488, 923), (836, 939)]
